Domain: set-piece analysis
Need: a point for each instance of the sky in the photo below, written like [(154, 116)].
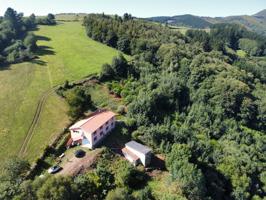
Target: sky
[(138, 8)]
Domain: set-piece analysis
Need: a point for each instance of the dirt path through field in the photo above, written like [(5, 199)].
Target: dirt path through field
[(35, 120)]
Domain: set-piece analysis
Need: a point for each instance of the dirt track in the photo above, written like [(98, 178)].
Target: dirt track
[(35, 120)]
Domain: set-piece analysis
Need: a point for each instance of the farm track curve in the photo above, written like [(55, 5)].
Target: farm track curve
[(34, 123), (37, 114)]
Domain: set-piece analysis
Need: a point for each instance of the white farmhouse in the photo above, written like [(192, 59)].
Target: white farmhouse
[(89, 132)]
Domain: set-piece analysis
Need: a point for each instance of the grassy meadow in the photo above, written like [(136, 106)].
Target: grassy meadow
[(183, 29), (65, 53)]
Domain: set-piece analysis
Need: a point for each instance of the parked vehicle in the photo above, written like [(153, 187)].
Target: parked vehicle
[(54, 169), (62, 155), (79, 153)]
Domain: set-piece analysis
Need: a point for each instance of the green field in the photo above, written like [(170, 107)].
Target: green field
[(65, 53), (183, 29)]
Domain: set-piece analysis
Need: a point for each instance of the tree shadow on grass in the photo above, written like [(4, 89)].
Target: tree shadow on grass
[(43, 38), (38, 62), (44, 50), (4, 67)]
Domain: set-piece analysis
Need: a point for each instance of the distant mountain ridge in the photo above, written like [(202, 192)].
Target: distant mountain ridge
[(256, 22), (261, 14), (183, 20)]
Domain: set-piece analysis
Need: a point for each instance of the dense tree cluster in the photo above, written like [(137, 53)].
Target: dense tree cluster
[(127, 34), (16, 43), (192, 98), (48, 20), (232, 36), (79, 102)]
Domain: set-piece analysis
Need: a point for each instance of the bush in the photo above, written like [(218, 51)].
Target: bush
[(58, 188), (118, 194), (106, 73), (144, 194), (127, 176), (121, 110), (79, 102), (30, 42)]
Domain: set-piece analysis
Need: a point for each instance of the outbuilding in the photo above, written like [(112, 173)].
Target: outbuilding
[(137, 153)]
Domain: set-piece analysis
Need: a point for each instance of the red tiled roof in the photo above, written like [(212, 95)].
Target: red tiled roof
[(95, 122)]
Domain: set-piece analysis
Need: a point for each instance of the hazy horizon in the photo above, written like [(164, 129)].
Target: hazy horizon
[(138, 8)]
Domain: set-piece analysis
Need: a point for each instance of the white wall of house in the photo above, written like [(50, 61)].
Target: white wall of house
[(128, 157), (76, 132)]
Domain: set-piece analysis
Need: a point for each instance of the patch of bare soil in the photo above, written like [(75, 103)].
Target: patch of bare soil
[(74, 166)]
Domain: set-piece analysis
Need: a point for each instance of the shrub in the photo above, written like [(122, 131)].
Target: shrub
[(121, 110), (118, 194)]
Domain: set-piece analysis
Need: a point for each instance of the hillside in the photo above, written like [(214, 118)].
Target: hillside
[(183, 20), (261, 14), (65, 53), (255, 22), (251, 22), (193, 99)]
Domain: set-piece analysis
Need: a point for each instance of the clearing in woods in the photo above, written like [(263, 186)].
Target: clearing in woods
[(31, 113)]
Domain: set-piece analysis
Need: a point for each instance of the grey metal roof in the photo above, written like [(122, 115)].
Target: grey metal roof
[(138, 147)]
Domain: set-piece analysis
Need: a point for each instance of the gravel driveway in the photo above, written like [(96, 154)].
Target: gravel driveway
[(73, 166)]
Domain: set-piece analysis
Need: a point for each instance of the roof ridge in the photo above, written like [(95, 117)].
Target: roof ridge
[(91, 123), (86, 120), (91, 117)]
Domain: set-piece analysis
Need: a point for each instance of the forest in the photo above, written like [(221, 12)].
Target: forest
[(17, 42), (194, 99)]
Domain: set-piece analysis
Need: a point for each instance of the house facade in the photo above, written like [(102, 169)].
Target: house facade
[(91, 131), (137, 153)]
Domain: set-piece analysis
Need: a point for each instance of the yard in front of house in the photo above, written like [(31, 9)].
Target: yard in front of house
[(72, 165)]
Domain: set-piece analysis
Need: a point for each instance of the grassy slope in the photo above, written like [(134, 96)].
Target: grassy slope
[(183, 29), (66, 54)]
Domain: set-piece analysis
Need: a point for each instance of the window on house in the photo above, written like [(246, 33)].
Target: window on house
[(94, 133), (106, 123), (101, 133), (107, 127), (95, 138), (101, 127)]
